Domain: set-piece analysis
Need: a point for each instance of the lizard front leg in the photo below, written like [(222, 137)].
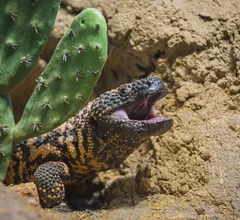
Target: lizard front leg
[(49, 179)]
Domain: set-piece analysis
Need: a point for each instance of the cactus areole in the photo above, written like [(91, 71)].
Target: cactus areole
[(23, 34), (66, 83)]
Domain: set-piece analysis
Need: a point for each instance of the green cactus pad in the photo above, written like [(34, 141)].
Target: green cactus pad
[(6, 134), (25, 27), (68, 80)]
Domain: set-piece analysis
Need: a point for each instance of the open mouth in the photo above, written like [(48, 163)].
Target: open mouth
[(143, 110)]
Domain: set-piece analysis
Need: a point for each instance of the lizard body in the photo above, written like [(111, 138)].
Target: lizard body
[(99, 137)]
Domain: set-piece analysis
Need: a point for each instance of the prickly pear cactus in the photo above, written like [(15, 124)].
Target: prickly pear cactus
[(66, 83), (23, 34), (6, 133), (64, 87)]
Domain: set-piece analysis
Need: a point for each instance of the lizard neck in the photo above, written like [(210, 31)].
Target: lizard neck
[(95, 151)]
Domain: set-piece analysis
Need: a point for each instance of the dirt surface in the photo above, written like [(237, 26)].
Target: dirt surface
[(12, 207), (192, 171)]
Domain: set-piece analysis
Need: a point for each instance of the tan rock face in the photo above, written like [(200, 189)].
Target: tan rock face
[(194, 47)]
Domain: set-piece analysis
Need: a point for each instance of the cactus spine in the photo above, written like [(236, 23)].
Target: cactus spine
[(23, 34), (6, 133), (66, 83), (63, 88)]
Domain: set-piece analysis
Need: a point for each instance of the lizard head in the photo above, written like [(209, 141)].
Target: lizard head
[(128, 113)]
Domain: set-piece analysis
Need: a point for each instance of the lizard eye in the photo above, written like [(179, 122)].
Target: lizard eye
[(124, 91)]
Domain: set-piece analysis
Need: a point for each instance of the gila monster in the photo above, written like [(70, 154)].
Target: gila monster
[(99, 137)]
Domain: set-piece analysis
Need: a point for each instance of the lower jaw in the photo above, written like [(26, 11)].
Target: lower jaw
[(156, 119)]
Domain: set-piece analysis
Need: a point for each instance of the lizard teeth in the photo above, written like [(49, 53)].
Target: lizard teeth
[(121, 113), (152, 113)]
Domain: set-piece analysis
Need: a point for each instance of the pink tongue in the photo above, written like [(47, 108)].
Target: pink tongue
[(121, 113)]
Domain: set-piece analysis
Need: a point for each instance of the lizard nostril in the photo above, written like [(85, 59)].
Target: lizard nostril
[(149, 83)]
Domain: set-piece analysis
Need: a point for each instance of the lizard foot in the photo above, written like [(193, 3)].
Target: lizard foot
[(49, 179)]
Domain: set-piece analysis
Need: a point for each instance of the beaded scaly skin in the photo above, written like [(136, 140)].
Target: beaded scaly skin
[(99, 137)]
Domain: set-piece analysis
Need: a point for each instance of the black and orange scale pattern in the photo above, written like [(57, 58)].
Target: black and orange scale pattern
[(64, 156), (91, 141)]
